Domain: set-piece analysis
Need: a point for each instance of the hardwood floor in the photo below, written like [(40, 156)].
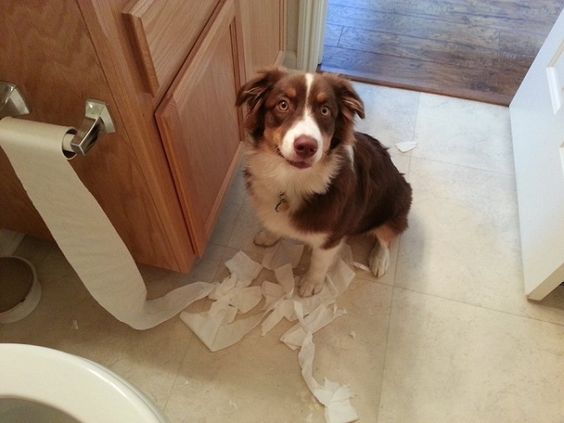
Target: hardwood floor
[(475, 49)]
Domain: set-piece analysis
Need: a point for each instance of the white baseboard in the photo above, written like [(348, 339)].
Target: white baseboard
[(9, 242)]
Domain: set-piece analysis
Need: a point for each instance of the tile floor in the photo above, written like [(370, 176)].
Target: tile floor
[(445, 336)]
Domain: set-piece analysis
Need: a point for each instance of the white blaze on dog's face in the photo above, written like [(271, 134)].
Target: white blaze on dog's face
[(300, 117), (303, 144)]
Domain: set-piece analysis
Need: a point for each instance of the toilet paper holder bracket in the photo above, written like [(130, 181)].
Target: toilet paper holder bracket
[(97, 120), (12, 102)]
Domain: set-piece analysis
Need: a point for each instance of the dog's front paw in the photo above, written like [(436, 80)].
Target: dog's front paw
[(310, 286), (265, 238), (379, 260)]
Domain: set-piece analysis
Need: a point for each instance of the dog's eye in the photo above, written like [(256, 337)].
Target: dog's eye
[(283, 106), (325, 111)]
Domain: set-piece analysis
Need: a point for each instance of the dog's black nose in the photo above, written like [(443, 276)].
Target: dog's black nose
[(305, 146)]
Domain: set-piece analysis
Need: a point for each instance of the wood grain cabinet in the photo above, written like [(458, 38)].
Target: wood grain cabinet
[(200, 126), (169, 71)]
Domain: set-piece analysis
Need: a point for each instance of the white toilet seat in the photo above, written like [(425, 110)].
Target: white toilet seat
[(81, 388)]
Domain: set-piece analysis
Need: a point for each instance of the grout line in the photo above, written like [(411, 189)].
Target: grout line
[(172, 386), (484, 307), (386, 343), (495, 172), (372, 279), (390, 311)]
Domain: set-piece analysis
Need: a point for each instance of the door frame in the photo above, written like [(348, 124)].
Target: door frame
[(311, 33)]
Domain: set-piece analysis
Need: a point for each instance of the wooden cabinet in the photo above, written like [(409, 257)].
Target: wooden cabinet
[(161, 38), (199, 125), (267, 18), (169, 72)]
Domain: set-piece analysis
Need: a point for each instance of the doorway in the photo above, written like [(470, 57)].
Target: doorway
[(474, 49)]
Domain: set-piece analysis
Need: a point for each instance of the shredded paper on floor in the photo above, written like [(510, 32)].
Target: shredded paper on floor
[(218, 327)]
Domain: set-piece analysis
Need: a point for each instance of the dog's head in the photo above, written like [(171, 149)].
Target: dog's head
[(301, 117)]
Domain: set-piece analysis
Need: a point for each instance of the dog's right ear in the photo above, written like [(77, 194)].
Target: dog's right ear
[(254, 91), (253, 94)]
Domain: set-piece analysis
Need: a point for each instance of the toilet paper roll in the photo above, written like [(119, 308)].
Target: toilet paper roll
[(81, 228)]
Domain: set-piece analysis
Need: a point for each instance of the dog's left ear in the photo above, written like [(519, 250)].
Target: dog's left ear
[(349, 101)]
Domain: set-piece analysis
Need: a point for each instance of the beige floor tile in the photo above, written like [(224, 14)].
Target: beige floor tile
[(463, 240), (390, 113), (452, 362), (245, 228), (231, 205), (464, 132), (259, 380), (225, 223), (237, 188)]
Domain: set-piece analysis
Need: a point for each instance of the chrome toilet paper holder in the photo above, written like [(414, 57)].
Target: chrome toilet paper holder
[(97, 120)]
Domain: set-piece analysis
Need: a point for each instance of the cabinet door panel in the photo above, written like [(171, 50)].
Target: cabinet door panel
[(161, 36), (57, 73), (263, 23), (200, 126)]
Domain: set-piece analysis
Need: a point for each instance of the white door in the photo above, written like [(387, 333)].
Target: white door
[(537, 123)]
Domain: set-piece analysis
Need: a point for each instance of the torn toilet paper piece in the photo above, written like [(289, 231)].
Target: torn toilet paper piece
[(244, 268), (314, 321), (285, 277), (219, 331), (271, 292), (284, 252), (340, 277), (237, 294), (282, 300), (335, 397), (406, 146), (217, 327), (361, 266), (278, 298)]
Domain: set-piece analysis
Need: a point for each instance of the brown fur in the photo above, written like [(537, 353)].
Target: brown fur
[(361, 198), (358, 201)]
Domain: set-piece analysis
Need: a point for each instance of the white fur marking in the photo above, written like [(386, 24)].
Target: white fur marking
[(321, 261), (309, 83), (379, 260), (305, 126)]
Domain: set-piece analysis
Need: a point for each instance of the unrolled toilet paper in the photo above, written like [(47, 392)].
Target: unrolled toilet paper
[(81, 228)]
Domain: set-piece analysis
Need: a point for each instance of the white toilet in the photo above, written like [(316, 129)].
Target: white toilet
[(44, 385)]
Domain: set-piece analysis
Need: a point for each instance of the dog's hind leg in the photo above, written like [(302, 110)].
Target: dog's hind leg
[(379, 259)]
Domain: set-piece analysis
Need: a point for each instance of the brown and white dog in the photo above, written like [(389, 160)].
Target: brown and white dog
[(311, 177)]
